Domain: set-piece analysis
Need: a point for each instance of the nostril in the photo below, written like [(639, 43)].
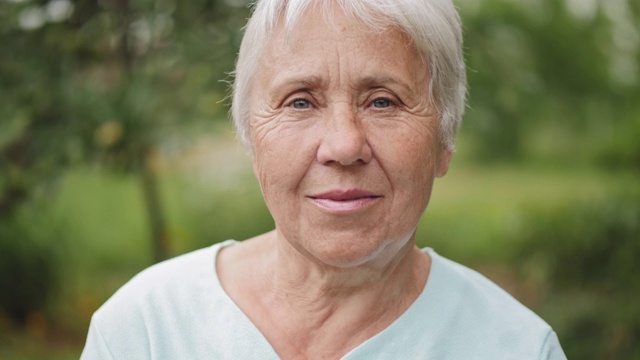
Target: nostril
[(357, 161)]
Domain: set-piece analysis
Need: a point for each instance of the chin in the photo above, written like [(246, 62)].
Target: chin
[(345, 250)]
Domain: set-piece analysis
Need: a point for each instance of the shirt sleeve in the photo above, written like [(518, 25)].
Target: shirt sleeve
[(95, 348), (551, 349)]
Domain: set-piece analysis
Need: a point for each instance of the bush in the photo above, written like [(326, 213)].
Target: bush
[(588, 254), (27, 271)]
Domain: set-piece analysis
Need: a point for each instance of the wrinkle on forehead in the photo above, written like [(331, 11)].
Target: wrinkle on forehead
[(337, 17), (282, 43)]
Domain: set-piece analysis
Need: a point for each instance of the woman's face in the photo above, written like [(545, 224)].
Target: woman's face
[(346, 142)]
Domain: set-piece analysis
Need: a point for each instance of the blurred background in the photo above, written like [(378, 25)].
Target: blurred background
[(116, 152)]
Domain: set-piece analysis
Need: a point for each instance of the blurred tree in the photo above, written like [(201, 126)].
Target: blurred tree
[(557, 79), (107, 81)]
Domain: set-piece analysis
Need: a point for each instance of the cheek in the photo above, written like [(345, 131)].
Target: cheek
[(281, 160), (405, 156), (272, 172), (409, 162)]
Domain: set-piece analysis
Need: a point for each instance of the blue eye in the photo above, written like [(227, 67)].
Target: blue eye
[(301, 104), (381, 103)]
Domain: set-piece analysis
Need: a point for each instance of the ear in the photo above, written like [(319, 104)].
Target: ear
[(442, 162)]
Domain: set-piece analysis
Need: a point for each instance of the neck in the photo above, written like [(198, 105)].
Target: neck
[(294, 271), (365, 297)]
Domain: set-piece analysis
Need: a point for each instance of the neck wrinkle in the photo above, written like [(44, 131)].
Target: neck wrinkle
[(361, 296)]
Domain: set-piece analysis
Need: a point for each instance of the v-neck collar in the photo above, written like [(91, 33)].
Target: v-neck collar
[(396, 334)]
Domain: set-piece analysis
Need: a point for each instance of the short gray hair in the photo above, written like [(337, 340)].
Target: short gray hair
[(432, 25)]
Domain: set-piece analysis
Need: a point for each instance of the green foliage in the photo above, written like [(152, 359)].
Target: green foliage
[(588, 253), (28, 270), (102, 83), (553, 81), (105, 82)]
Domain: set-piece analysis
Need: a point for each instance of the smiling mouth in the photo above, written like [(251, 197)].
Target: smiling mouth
[(344, 201)]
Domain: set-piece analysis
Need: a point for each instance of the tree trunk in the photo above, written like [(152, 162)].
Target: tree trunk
[(159, 236)]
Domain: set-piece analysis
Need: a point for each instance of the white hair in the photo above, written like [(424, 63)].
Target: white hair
[(432, 25)]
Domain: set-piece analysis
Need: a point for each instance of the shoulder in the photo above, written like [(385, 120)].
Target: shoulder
[(478, 292), (167, 277), (477, 311), (180, 292), (168, 280)]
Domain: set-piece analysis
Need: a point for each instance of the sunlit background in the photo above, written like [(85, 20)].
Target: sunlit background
[(116, 152)]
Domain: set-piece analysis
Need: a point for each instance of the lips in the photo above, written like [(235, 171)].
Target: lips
[(344, 201)]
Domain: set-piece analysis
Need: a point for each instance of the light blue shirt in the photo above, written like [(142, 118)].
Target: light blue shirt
[(178, 310)]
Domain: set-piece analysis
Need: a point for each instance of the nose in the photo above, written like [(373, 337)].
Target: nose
[(344, 140)]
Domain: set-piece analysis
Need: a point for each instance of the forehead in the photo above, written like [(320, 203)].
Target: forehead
[(330, 39)]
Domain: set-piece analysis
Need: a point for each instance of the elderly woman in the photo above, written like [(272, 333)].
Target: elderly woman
[(349, 109)]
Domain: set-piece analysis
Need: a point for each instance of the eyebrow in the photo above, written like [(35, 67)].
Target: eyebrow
[(369, 82), (298, 82)]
